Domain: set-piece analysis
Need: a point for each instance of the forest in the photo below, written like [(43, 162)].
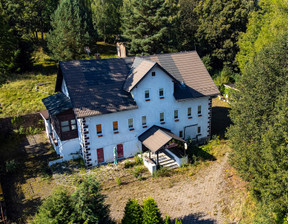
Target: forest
[(244, 42)]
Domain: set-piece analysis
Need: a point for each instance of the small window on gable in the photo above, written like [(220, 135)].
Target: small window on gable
[(189, 112), (175, 114), (115, 126), (130, 123), (161, 93), (147, 95), (153, 73), (65, 126), (144, 122), (162, 117), (99, 129), (181, 134), (199, 109)]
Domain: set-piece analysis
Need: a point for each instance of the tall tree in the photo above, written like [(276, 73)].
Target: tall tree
[(220, 23), (259, 134), (55, 209), (132, 213), (264, 27), (89, 203), (69, 32), (106, 18), (151, 213), (146, 24)]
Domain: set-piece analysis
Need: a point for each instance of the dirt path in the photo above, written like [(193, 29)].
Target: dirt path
[(194, 199)]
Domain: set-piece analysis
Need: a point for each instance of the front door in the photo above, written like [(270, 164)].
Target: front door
[(100, 155), (120, 151)]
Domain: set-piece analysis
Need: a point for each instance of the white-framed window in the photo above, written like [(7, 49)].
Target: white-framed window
[(162, 120), (199, 130), (69, 125), (99, 129), (144, 121), (189, 112), (176, 115), (199, 110), (130, 123), (161, 93), (147, 95), (115, 126)]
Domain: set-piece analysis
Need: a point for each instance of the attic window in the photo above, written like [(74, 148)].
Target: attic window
[(153, 73)]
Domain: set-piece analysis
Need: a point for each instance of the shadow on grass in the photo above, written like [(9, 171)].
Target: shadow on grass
[(47, 68), (196, 153), (220, 121)]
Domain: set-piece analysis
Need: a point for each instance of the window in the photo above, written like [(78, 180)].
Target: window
[(115, 126), (65, 126), (161, 93), (176, 114), (147, 96), (181, 134), (189, 112), (199, 109), (68, 125), (199, 130), (130, 123), (144, 122), (99, 129), (153, 73), (162, 118)]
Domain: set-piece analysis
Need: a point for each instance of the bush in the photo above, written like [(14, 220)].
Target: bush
[(11, 166), (137, 172), (162, 172), (118, 181), (167, 220), (128, 164), (138, 160), (132, 213), (151, 213)]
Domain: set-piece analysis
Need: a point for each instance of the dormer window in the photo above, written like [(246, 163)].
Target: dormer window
[(147, 95), (153, 73), (68, 125), (161, 93)]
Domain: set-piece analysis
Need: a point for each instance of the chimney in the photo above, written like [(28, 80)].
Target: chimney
[(121, 50)]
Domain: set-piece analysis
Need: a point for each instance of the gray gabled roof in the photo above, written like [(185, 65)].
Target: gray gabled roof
[(57, 103), (96, 86), (156, 137)]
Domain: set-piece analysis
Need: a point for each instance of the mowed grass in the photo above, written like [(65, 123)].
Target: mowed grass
[(18, 96)]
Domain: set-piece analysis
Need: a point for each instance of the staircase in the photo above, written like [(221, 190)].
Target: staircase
[(167, 162)]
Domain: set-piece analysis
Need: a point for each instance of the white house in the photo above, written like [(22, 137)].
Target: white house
[(132, 103)]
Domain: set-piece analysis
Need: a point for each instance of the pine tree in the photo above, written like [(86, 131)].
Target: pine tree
[(259, 134), (132, 213), (69, 32), (89, 203), (151, 213), (55, 209), (145, 24)]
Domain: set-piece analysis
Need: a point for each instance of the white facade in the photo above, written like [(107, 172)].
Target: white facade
[(196, 124)]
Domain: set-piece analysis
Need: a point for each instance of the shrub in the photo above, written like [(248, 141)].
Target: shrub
[(162, 172), (151, 213), (167, 220), (137, 172), (11, 166), (178, 221), (138, 160), (128, 164), (132, 213), (118, 181)]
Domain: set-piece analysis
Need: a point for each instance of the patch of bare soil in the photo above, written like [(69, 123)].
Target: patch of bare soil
[(202, 198)]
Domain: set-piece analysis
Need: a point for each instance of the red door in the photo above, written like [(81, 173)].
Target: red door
[(120, 151), (100, 155)]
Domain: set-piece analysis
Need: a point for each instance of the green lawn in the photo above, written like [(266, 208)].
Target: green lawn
[(18, 96)]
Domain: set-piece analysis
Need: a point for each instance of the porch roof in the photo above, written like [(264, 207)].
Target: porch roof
[(156, 137)]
